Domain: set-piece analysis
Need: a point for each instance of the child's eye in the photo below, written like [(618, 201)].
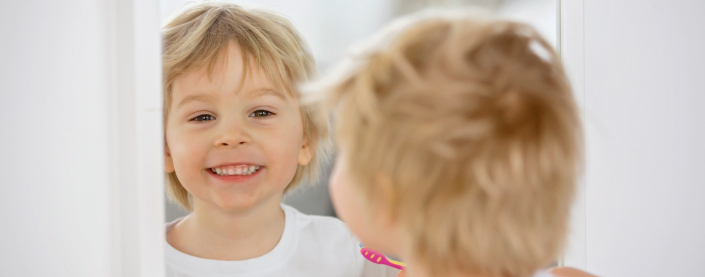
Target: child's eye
[(261, 114), (203, 117)]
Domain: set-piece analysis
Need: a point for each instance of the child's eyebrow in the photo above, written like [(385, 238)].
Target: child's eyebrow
[(195, 98)]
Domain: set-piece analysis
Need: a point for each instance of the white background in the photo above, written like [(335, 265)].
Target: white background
[(55, 203), (81, 178), (644, 106), (639, 69)]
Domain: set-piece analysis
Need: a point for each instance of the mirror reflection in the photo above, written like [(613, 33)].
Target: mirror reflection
[(331, 27)]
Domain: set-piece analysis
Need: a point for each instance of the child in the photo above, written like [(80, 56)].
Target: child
[(458, 146), (236, 140)]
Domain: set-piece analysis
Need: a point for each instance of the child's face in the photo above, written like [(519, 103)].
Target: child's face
[(370, 223), (233, 146)]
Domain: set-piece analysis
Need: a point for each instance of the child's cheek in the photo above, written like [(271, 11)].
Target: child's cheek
[(353, 208), (346, 200), (187, 151)]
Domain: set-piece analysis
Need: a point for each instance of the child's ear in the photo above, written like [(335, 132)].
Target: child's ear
[(168, 161), (305, 153)]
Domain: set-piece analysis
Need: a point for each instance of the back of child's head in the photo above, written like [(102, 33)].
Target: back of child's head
[(474, 126), (199, 36)]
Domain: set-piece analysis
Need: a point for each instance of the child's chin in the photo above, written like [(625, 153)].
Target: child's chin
[(236, 204), (242, 200)]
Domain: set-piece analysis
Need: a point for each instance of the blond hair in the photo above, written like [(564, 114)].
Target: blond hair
[(472, 126), (199, 36)]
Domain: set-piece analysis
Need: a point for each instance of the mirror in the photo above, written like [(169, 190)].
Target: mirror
[(330, 27)]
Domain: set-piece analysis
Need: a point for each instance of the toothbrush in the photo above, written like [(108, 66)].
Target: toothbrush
[(379, 258)]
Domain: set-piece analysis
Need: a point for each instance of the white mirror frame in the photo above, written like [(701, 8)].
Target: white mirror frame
[(137, 190), (137, 178)]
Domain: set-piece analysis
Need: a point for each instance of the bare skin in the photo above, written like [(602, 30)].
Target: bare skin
[(556, 271), (570, 272), (218, 235)]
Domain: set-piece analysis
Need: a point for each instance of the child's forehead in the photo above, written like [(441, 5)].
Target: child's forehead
[(232, 67), (224, 82)]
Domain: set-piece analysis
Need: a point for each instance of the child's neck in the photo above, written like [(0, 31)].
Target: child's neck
[(419, 270), (421, 273), (212, 233)]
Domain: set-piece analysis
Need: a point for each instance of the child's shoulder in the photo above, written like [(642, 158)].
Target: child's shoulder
[(326, 244), (335, 247)]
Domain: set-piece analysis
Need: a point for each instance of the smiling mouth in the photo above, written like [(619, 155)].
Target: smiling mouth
[(239, 170)]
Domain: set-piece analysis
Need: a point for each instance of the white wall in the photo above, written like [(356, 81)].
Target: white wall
[(644, 93), (54, 204), (80, 138), (329, 27), (541, 14)]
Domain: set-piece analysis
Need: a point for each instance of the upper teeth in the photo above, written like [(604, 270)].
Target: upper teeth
[(235, 170)]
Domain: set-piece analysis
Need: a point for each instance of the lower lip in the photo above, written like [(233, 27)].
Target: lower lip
[(236, 178)]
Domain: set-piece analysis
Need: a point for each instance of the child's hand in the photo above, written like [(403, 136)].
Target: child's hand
[(401, 273)]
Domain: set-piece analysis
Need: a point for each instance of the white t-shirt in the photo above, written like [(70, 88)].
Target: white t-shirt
[(310, 246)]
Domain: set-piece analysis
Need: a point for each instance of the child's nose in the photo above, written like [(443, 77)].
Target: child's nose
[(232, 137)]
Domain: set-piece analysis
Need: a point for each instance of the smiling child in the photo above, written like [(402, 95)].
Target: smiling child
[(236, 141)]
